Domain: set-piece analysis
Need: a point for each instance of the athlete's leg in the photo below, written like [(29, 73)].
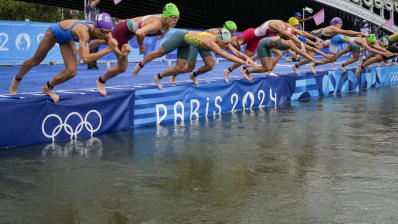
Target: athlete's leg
[(189, 53), (266, 67), (375, 59), (322, 62), (148, 58), (302, 62), (44, 47), (345, 50), (354, 58), (177, 69), (228, 70), (68, 51), (208, 66), (120, 67), (278, 56), (189, 68)]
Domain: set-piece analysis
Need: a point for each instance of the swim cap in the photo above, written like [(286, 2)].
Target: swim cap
[(169, 10), (103, 20), (336, 20), (384, 41), (293, 21), (371, 38), (224, 35), (289, 29), (302, 39), (297, 14), (229, 25)]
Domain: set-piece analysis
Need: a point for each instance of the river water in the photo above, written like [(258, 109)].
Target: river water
[(330, 160)]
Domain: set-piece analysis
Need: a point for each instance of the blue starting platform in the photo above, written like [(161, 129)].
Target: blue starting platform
[(31, 117)]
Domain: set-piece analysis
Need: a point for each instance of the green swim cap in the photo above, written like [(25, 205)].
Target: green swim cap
[(169, 10), (371, 38), (229, 25)]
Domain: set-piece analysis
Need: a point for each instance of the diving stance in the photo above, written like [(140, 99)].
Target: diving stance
[(141, 27), (66, 33), (252, 36), (265, 55), (185, 42)]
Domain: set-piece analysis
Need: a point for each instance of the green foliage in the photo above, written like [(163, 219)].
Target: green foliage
[(17, 10)]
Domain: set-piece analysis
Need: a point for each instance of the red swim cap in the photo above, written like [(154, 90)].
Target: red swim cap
[(289, 29)]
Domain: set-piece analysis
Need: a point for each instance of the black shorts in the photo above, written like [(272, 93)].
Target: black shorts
[(392, 49)]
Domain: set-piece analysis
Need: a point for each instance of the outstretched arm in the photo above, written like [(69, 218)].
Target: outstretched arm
[(296, 49), (310, 42), (315, 50), (305, 19), (216, 49), (371, 49), (378, 47), (350, 33), (239, 54), (306, 34)]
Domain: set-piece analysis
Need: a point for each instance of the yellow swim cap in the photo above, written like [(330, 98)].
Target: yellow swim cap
[(293, 21)]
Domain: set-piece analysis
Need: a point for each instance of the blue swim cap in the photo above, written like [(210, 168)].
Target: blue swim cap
[(302, 39), (297, 14)]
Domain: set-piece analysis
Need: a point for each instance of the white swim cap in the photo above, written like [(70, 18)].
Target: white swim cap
[(384, 41), (224, 35)]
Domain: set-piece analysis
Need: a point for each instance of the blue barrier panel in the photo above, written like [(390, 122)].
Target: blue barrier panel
[(34, 119), (187, 101), (336, 82), (19, 40)]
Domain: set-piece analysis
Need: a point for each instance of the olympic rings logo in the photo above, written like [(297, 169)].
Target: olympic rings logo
[(68, 128)]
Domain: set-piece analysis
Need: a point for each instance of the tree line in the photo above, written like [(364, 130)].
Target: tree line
[(17, 10)]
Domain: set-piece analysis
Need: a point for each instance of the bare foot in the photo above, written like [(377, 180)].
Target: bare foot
[(101, 87), (173, 79), (137, 69), (312, 66), (194, 79), (272, 74), (14, 86), (49, 92), (157, 80), (295, 69), (226, 72), (342, 68), (246, 75)]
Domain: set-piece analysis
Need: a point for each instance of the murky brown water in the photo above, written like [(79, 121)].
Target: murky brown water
[(329, 161)]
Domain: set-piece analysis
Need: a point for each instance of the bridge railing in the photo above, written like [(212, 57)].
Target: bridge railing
[(365, 9)]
